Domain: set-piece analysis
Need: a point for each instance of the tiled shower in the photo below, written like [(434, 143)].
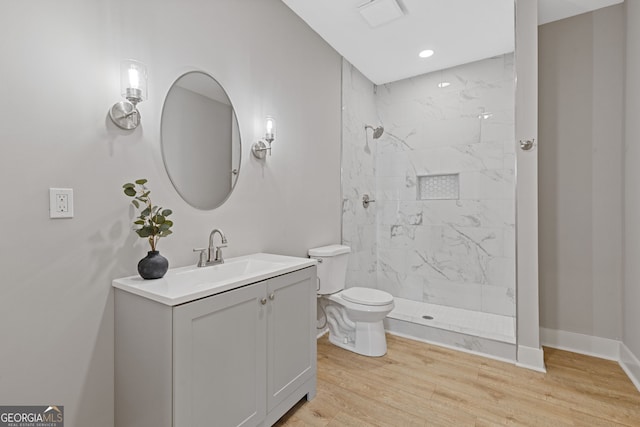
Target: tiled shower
[(442, 228)]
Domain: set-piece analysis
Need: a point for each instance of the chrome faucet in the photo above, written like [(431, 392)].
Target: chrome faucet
[(214, 253), (217, 250)]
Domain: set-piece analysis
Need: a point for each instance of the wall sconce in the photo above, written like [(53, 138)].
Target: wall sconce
[(133, 87), (260, 148)]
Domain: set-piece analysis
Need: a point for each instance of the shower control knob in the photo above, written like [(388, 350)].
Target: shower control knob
[(366, 200), (527, 145)]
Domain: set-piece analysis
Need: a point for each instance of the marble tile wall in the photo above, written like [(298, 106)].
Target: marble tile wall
[(359, 227), (459, 253)]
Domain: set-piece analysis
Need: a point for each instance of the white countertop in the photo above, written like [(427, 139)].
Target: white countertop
[(184, 284)]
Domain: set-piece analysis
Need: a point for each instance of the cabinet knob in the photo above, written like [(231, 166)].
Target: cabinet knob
[(272, 296), (263, 301)]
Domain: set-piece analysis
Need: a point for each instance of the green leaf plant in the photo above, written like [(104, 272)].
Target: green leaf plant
[(152, 222)]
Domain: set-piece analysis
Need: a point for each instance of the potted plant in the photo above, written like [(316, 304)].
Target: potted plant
[(152, 224)]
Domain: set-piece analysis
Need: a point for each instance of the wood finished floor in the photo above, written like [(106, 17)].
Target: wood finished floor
[(418, 384)]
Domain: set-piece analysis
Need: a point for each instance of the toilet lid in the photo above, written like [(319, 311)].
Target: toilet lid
[(367, 296)]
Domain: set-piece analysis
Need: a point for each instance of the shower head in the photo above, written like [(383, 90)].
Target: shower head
[(377, 132)]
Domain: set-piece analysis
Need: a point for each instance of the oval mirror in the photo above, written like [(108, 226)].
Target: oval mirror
[(200, 140)]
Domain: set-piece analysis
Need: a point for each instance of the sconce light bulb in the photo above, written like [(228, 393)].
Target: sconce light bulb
[(133, 87), (260, 148), (270, 128), (134, 78)]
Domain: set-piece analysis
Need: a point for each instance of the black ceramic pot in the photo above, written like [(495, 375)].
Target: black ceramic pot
[(153, 266)]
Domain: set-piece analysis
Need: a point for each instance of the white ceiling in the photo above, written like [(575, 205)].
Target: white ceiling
[(554, 10), (390, 52)]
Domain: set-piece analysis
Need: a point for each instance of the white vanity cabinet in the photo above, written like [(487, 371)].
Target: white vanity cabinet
[(242, 357), (219, 348)]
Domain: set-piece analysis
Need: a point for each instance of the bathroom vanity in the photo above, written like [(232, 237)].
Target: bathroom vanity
[(226, 345)]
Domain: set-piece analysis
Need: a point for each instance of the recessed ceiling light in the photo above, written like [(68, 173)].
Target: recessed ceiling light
[(443, 84), (426, 53)]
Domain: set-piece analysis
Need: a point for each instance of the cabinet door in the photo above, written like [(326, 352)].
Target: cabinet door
[(219, 352), (291, 341)]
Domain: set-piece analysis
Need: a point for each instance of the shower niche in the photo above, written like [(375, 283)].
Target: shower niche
[(439, 187)]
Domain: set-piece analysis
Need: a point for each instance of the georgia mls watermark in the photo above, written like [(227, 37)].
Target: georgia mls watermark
[(32, 416)]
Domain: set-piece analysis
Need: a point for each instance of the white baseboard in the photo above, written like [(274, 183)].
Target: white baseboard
[(603, 348), (630, 364), (531, 358)]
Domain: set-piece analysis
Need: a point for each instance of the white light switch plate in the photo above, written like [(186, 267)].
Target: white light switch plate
[(61, 203)]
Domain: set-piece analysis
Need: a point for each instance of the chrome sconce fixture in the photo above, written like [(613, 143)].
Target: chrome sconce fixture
[(133, 87), (260, 148)]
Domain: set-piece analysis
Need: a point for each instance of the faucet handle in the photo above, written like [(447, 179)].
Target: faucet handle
[(218, 254), (202, 262)]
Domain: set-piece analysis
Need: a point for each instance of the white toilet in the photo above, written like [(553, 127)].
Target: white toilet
[(354, 315)]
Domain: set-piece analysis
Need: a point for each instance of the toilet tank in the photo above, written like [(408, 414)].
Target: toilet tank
[(332, 267)]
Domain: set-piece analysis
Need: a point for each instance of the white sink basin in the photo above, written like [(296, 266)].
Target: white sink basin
[(184, 284), (231, 269)]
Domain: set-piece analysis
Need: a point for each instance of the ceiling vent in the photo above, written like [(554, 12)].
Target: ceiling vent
[(380, 12)]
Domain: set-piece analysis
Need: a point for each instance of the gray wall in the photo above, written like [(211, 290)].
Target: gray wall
[(60, 75), (631, 291), (581, 78)]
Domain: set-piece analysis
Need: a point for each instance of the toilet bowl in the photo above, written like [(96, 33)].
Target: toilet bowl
[(354, 315), (362, 329)]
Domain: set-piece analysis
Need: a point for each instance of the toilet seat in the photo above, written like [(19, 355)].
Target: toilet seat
[(367, 296)]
